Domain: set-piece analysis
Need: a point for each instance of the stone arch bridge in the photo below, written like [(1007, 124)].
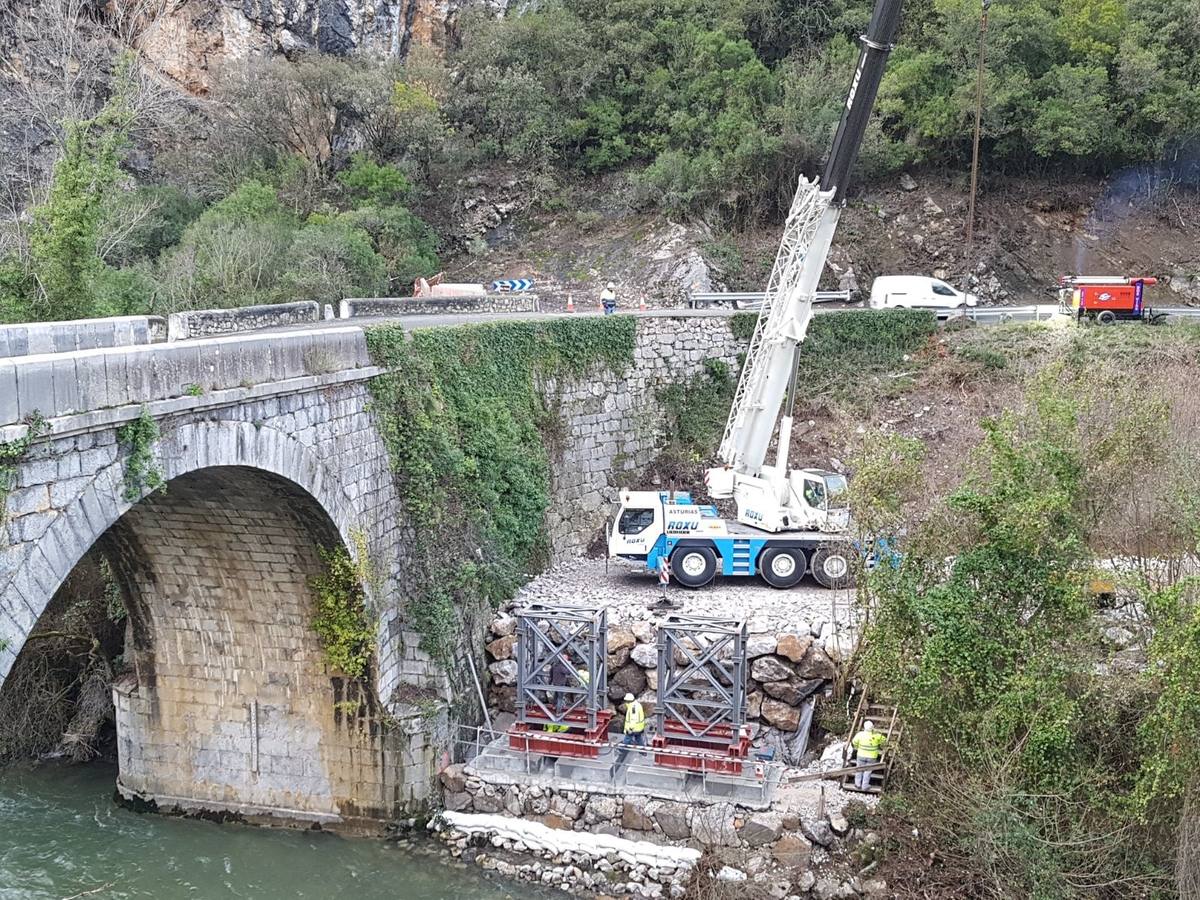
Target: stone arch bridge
[(269, 453)]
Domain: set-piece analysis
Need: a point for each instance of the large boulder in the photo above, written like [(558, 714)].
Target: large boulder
[(502, 647), (637, 814), (770, 668), (629, 679), (504, 625), (792, 690), (712, 826), (601, 810), (503, 697), (794, 646), (792, 851), (759, 645), (643, 631), (816, 664), (761, 829), (819, 832), (504, 672), (754, 704), (454, 778), (620, 644), (779, 714), (645, 655), (460, 802), (672, 818)]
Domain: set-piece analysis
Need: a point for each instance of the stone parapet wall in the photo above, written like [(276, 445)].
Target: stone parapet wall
[(386, 307), (64, 384), (614, 426), (37, 338), (213, 322)]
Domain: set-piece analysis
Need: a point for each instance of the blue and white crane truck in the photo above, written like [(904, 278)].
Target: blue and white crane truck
[(789, 522)]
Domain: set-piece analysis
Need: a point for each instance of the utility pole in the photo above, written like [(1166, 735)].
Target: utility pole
[(983, 23)]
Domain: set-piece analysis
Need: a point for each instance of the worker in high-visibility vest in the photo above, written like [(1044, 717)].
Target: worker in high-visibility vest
[(868, 745), (635, 722)]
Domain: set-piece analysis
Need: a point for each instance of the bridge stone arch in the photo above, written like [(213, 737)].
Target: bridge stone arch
[(229, 705)]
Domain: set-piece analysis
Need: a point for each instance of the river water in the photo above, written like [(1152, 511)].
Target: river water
[(61, 835)]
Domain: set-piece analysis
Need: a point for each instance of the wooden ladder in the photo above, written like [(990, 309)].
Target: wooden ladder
[(888, 723)]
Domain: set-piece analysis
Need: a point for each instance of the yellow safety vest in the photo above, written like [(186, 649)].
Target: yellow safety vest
[(635, 718), (868, 744)]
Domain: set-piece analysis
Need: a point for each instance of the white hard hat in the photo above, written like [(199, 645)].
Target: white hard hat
[(868, 725), (612, 286), (629, 698)]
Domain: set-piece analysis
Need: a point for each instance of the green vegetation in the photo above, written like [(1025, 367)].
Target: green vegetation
[(1031, 767), (142, 474), (696, 413), (470, 439), (342, 619), (11, 454)]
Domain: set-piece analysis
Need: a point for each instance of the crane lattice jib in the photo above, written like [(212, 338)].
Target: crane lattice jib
[(782, 323), (812, 221)]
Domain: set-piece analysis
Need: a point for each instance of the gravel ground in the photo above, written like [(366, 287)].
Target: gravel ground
[(633, 596)]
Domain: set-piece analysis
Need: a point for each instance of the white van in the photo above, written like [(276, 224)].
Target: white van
[(916, 292)]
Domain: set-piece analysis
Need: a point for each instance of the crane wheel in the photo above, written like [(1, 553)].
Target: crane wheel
[(1106, 317), (782, 567), (694, 567), (831, 567)]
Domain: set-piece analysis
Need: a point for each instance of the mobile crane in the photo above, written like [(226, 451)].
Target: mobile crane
[(788, 521)]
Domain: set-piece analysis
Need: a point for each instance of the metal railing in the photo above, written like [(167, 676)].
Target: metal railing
[(753, 299), (619, 767)]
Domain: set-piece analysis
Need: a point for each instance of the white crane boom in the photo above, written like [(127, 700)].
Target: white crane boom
[(770, 497)]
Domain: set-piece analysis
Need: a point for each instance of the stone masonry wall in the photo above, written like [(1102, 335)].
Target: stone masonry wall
[(231, 705), (211, 322), (368, 307), (320, 439), (615, 426)]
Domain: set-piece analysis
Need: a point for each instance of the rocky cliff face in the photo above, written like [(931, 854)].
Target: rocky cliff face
[(191, 39)]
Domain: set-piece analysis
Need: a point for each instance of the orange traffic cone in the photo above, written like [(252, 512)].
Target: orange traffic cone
[(570, 304), (642, 303)]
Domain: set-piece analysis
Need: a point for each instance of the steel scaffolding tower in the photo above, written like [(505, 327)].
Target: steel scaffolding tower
[(701, 682), (577, 638)]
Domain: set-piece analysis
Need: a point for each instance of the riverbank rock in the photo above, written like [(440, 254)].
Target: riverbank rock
[(770, 668), (793, 646), (819, 832), (713, 825), (504, 672), (817, 664), (760, 645), (504, 625), (645, 655), (601, 810), (672, 818), (454, 778), (793, 690), (792, 851), (502, 647), (779, 714), (621, 642), (761, 829)]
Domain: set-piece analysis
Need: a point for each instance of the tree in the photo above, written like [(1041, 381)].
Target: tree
[(65, 234)]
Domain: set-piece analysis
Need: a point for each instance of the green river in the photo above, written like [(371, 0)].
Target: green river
[(61, 835)]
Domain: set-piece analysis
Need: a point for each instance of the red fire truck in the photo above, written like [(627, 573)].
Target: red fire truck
[(1105, 299)]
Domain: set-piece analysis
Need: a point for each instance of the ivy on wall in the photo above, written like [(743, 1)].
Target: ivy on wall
[(142, 475), (342, 620), (469, 432), (11, 454)]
